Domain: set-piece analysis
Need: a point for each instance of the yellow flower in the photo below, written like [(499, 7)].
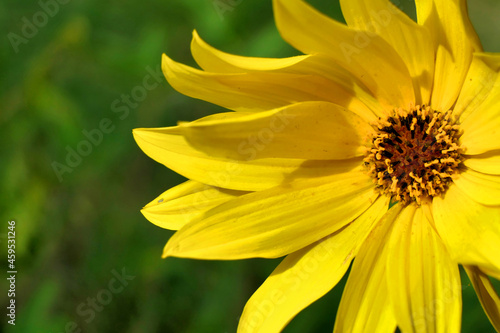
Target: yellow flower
[(382, 109)]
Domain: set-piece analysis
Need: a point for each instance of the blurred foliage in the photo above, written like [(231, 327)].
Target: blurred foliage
[(73, 233)]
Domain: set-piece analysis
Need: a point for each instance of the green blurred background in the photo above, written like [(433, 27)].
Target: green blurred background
[(76, 231)]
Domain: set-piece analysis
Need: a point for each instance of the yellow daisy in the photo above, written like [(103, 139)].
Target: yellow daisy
[(380, 146)]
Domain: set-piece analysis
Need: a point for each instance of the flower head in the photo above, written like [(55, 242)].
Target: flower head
[(380, 146)]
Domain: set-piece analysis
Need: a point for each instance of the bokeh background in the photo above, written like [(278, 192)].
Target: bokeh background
[(77, 230)]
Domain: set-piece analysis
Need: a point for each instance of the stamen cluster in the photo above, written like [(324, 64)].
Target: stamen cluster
[(415, 153)]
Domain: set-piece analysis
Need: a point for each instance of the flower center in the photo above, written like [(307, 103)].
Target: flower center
[(414, 154)]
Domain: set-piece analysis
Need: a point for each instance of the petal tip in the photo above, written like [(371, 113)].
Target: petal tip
[(166, 252)]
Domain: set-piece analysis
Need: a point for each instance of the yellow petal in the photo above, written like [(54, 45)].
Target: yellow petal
[(256, 91), (368, 57), (277, 221), (412, 41), (481, 126), (245, 91), (216, 61), (181, 204), (306, 275), (485, 163), (425, 287), (493, 273), (470, 230), (346, 90), (169, 147), (490, 58), (481, 187), (480, 80), (432, 13), (365, 306), (309, 130), (455, 41), (486, 293)]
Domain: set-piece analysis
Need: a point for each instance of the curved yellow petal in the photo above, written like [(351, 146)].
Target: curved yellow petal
[(492, 59), (486, 293), (470, 230), (306, 275), (244, 91), (481, 126), (275, 222), (455, 41), (492, 273), (309, 130), (411, 41), (183, 203), (216, 61), (424, 282), (371, 59), (432, 13), (257, 91), (485, 163), (365, 305), (344, 87), (167, 146), (481, 187), (481, 79)]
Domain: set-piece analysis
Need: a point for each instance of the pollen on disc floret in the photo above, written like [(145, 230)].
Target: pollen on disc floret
[(415, 153)]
